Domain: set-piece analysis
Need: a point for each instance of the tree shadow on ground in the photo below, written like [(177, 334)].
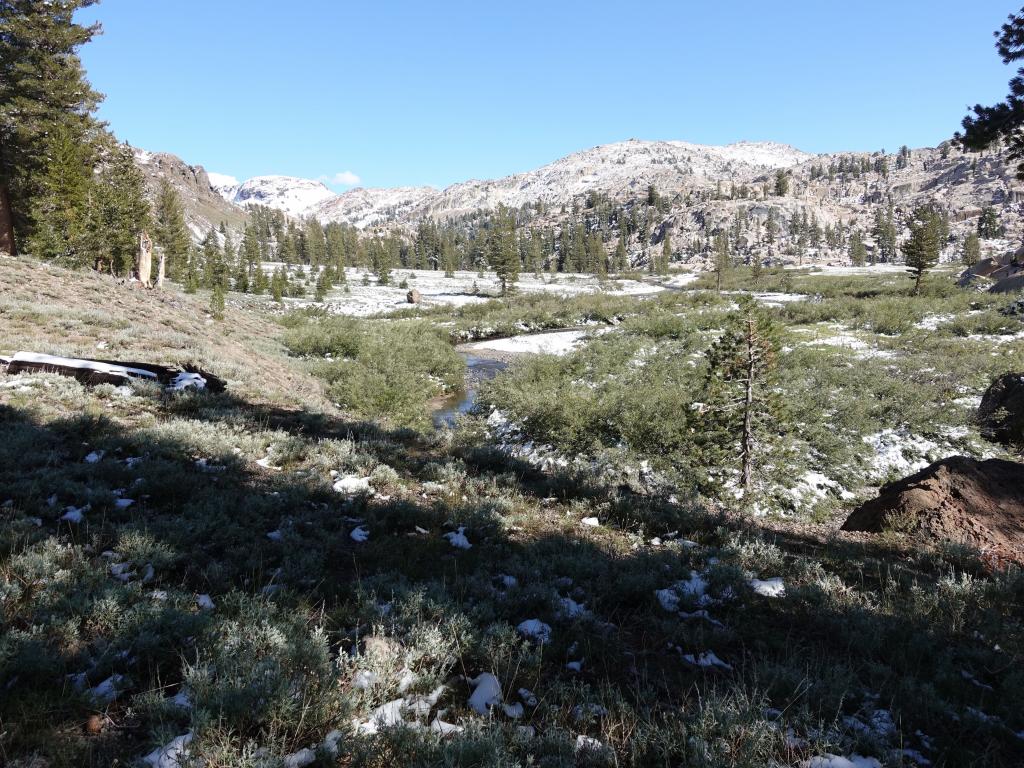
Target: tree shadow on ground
[(858, 621)]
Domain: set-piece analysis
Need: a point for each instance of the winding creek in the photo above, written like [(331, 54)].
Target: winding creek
[(486, 359)]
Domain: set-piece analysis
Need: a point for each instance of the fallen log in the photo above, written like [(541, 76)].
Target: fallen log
[(90, 371)]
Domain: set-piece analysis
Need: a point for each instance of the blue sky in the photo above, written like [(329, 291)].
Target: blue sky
[(409, 93)]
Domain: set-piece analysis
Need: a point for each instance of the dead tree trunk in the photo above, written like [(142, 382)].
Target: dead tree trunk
[(161, 266), (6, 223), (144, 265)]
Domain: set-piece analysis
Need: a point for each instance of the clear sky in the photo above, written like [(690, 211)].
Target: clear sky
[(409, 93)]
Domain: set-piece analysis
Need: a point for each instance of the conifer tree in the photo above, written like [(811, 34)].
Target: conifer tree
[(217, 301), (781, 183), (60, 208), (502, 250), (858, 253), (1003, 121), (972, 249), (741, 411), (666, 253), (621, 257), (722, 260), (921, 250), (169, 230), (988, 224), (43, 92), (119, 212)]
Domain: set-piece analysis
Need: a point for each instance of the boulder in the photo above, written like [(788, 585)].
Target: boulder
[(1001, 413), (413, 296), (979, 504)]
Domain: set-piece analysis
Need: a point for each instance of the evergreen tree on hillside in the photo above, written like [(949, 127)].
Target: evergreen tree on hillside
[(884, 230), (43, 92), (858, 253), (60, 207), (922, 248), (722, 258), (169, 230), (666, 253), (621, 257), (1003, 121), (119, 212), (781, 183), (972, 249), (988, 224)]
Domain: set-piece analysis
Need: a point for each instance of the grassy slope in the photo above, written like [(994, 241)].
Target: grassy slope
[(862, 628)]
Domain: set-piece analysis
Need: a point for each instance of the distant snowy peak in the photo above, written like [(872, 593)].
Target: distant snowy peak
[(224, 185), (292, 195)]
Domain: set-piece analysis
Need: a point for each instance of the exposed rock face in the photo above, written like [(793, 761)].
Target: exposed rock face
[(1005, 272), (413, 296), (1001, 413), (975, 503), (204, 208)]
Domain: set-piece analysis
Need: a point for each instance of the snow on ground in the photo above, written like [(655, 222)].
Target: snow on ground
[(829, 270), (899, 452), (555, 343), (465, 287)]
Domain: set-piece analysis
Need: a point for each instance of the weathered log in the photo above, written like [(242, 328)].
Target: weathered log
[(90, 371)]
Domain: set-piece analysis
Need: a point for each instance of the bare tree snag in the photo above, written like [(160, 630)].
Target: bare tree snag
[(144, 264), (161, 266)]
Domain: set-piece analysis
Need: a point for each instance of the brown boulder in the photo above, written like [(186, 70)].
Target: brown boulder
[(979, 504), (413, 296)]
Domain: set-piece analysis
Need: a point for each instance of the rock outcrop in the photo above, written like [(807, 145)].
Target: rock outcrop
[(979, 504), (1001, 413)]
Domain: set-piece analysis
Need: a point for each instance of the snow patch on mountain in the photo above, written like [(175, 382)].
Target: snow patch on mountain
[(365, 208), (292, 195), (224, 185)]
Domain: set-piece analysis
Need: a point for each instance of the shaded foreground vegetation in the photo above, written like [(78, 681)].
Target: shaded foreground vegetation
[(875, 647)]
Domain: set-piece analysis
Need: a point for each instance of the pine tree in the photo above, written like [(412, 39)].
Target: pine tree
[(722, 259), (741, 412), (921, 250), (1005, 120), (217, 301), (781, 183), (988, 224), (858, 253), (502, 250), (666, 254), (621, 257), (169, 230), (60, 209), (43, 92), (119, 212), (972, 249)]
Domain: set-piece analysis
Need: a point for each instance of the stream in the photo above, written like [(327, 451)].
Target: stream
[(478, 370)]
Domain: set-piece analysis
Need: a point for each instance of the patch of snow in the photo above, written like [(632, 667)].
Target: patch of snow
[(773, 587), (186, 380), (705, 660), (486, 693), (535, 629), (556, 343), (353, 485), (835, 761), (170, 754), (458, 538), (360, 534)]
